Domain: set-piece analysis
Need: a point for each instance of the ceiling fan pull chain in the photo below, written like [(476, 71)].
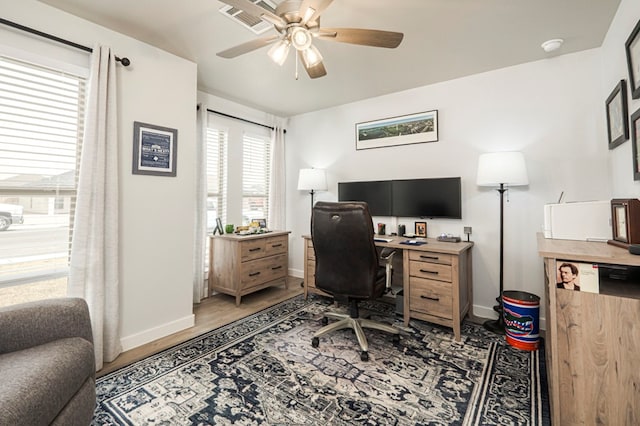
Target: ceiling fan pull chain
[(297, 60)]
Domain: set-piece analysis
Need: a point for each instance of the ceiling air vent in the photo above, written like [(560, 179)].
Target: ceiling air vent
[(253, 23)]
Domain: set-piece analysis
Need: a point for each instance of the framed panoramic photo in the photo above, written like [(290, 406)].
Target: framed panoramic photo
[(154, 150), (407, 129), (617, 115), (632, 47), (635, 142)]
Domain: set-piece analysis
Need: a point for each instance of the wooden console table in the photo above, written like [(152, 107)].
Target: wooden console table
[(592, 340), (242, 264), (437, 280)]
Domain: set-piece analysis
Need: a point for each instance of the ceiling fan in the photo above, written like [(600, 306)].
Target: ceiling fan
[(297, 23)]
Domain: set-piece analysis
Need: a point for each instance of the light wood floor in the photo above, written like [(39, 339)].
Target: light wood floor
[(211, 313)]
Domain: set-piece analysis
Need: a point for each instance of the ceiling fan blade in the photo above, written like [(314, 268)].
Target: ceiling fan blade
[(315, 71), (247, 47), (317, 6), (257, 11), (375, 38)]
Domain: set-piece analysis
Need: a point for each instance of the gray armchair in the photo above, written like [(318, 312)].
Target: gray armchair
[(47, 363)]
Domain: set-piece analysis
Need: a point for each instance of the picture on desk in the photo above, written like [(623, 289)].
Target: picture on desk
[(577, 276), (421, 229)]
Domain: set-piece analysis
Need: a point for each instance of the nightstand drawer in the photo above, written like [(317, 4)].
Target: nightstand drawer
[(433, 271), (431, 297), (252, 249), (276, 245), (431, 257)]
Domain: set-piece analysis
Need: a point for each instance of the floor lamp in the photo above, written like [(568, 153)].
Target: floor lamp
[(501, 169), (312, 180)]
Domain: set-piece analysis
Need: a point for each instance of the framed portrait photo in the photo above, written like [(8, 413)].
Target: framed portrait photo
[(632, 47), (617, 115), (421, 229), (154, 150)]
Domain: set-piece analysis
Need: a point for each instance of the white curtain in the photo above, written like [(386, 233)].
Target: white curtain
[(199, 291), (277, 180), (94, 264)]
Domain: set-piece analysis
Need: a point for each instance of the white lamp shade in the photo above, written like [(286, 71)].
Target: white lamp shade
[(508, 168), (312, 179)]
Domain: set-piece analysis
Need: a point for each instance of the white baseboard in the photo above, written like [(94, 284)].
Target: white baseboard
[(139, 339), (489, 313), (296, 273)]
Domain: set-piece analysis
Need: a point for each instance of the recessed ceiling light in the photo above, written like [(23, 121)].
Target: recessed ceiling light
[(551, 45)]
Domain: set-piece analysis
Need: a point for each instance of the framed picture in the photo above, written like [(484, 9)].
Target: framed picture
[(154, 150), (617, 113), (632, 46), (219, 227), (407, 129), (262, 223), (421, 229), (635, 142)]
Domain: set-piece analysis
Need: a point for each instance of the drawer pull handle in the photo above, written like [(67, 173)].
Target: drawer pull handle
[(276, 267), (254, 274), (429, 272), (429, 257), (255, 249), (276, 245), (435, 299)]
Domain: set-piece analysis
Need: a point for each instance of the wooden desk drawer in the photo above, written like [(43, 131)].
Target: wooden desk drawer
[(252, 249), (431, 257), (433, 271), (260, 271), (276, 245), (431, 297)]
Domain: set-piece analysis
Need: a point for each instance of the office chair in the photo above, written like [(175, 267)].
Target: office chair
[(347, 266)]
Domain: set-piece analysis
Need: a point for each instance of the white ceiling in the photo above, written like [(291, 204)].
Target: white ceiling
[(443, 40)]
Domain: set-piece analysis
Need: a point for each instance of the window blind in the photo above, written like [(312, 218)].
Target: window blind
[(41, 126), (256, 153), (217, 141)]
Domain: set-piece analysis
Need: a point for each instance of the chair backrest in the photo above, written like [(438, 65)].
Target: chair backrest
[(346, 255)]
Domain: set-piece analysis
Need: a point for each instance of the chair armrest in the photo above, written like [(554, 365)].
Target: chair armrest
[(387, 253), (34, 323)]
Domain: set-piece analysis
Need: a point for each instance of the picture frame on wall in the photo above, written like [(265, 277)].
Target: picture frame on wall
[(632, 47), (617, 114), (421, 229), (154, 150), (635, 143), (402, 130)]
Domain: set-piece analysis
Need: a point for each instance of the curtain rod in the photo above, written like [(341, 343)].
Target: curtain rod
[(124, 61), (241, 119)]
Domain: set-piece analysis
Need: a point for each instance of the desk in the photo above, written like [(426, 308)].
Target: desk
[(592, 340), (243, 264), (437, 280)]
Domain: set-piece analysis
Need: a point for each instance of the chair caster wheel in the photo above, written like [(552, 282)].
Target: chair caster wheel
[(325, 320), (364, 356), (396, 339), (315, 342)]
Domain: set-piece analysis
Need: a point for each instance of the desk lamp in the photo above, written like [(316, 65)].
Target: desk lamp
[(312, 180), (501, 169)]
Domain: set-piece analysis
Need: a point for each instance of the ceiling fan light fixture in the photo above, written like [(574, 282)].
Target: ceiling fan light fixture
[(300, 38), (279, 52), (311, 56)]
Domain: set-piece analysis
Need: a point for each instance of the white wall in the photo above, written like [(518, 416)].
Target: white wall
[(550, 110), (156, 213), (614, 69)]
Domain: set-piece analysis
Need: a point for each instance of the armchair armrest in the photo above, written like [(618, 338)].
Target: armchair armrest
[(34, 323)]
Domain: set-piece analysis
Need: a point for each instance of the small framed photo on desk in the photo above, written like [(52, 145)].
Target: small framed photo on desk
[(421, 229)]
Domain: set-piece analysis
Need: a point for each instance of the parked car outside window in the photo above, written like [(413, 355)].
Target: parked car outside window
[(10, 214)]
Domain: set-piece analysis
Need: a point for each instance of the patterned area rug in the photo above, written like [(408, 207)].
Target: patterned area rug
[(262, 370)]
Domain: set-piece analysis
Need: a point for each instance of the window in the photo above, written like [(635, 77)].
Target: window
[(216, 176), (256, 153), (41, 125)]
